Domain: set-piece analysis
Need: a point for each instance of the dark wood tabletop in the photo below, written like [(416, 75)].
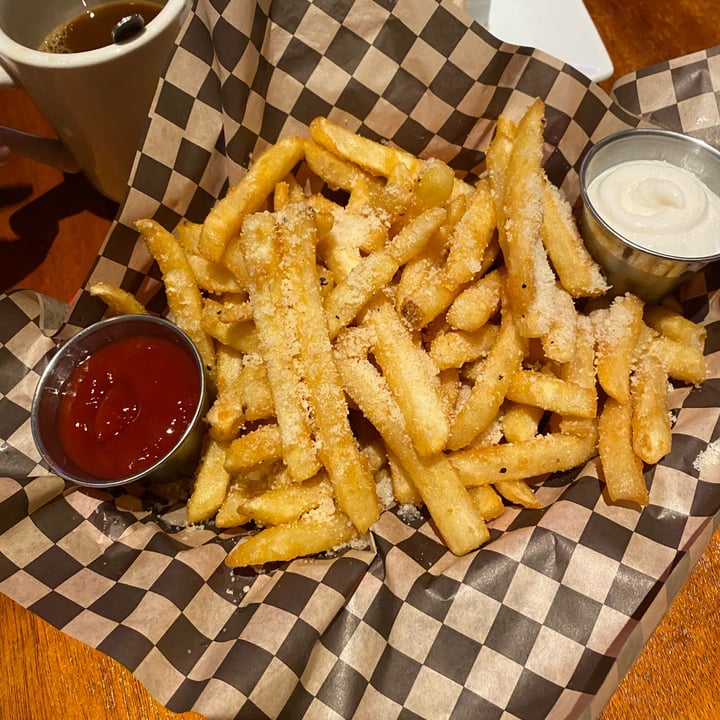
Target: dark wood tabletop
[(51, 228)]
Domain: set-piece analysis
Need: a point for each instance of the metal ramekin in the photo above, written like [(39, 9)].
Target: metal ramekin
[(176, 464), (629, 267)]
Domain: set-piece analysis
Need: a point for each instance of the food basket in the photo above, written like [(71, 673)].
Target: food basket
[(541, 622)]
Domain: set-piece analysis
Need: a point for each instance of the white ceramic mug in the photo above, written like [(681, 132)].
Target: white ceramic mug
[(96, 101)]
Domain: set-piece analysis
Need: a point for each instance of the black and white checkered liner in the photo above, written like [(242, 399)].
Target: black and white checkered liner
[(541, 622)]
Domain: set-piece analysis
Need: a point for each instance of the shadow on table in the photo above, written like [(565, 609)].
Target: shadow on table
[(36, 224)]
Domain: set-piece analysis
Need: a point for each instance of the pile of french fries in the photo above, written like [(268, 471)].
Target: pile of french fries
[(370, 321)]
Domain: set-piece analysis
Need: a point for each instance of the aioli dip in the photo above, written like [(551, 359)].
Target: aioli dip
[(660, 207)]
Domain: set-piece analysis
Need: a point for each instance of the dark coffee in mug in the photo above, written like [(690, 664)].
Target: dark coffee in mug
[(93, 28)]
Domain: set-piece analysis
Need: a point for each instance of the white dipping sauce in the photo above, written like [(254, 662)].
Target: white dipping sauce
[(659, 206)]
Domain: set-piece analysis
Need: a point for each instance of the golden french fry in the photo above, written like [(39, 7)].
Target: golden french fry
[(617, 331), (487, 501), (403, 489), (493, 378), (674, 326), (240, 490), (452, 349), (651, 429), (467, 246), (518, 492), (531, 387), (475, 306), (622, 468), (682, 361), (181, 289), (412, 377), (521, 422), (210, 485), (118, 300), (309, 535), (225, 219), (542, 454), (579, 274), (376, 158), (287, 503), (212, 276), (261, 445), (337, 448), (278, 340), (449, 504), (374, 271), (542, 308)]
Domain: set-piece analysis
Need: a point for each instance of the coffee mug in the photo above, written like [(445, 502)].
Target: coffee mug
[(96, 101)]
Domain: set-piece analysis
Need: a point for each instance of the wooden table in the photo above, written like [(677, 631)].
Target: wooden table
[(51, 228)]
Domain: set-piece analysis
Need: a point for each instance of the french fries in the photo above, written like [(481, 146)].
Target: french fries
[(452, 340)]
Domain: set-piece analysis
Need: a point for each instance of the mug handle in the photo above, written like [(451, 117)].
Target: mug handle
[(5, 80), (43, 149), (36, 147)]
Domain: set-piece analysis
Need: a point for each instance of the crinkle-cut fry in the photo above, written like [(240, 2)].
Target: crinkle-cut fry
[(210, 483), (248, 195), (477, 304), (467, 245), (118, 300), (518, 492), (253, 448), (277, 331), (674, 326), (492, 380), (336, 445), (446, 498), (411, 375), (454, 348), (309, 535), (287, 503), (525, 459), (617, 331), (533, 387), (376, 270), (487, 501), (682, 361), (578, 272), (375, 157), (622, 468), (181, 289), (651, 426)]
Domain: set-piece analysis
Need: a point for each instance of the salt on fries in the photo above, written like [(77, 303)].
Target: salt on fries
[(369, 322)]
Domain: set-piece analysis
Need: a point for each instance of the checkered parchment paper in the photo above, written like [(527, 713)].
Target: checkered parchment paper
[(545, 619)]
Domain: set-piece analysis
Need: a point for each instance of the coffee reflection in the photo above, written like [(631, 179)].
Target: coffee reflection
[(93, 28)]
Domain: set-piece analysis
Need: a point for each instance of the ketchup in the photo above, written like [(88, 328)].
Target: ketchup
[(127, 404)]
